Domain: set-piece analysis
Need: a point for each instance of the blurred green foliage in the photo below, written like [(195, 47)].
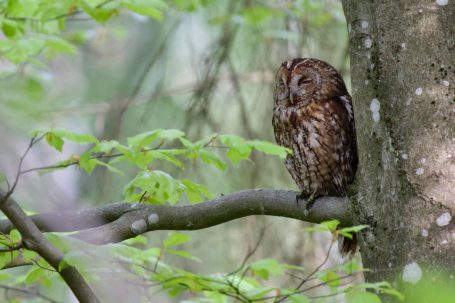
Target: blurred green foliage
[(119, 68)]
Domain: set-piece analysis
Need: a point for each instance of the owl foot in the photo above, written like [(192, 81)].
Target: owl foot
[(310, 201), (311, 198), (299, 197)]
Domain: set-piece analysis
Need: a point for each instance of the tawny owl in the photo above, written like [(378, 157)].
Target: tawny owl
[(313, 116)]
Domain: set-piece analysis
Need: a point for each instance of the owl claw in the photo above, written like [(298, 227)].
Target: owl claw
[(310, 201), (301, 196)]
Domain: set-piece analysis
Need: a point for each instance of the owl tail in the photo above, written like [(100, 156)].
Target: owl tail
[(347, 246)]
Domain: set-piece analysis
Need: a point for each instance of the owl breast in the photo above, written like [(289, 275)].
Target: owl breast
[(320, 132)]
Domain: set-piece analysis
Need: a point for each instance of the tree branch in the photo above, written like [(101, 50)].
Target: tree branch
[(33, 239), (119, 221)]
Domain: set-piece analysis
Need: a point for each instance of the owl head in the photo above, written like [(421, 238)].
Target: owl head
[(301, 81)]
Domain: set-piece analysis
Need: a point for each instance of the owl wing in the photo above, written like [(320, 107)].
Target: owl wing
[(349, 158)]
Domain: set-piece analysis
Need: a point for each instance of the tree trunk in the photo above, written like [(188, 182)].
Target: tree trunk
[(403, 86)]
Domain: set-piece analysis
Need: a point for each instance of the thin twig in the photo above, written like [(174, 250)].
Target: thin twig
[(250, 253), (27, 291), (312, 273), (11, 247), (100, 156), (35, 262), (11, 189)]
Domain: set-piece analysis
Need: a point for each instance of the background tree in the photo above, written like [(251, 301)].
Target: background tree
[(402, 57)]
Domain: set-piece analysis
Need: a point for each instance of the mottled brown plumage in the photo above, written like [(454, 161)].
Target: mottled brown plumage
[(313, 116)]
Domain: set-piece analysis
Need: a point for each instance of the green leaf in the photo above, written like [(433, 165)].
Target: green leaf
[(264, 267), (159, 186), (86, 163), (183, 254), (111, 168), (72, 136), (196, 192), (58, 241), (60, 45), (235, 156), (15, 236), (329, 226), (348, 231), (212, 159), (29, 255), (331, 278), (362, 297), (164, 155), (105, 146), (147, 254), (24, 8), (11, 28), (176, 238), (149, 137), (393, 292), (257, 14), (34, 275), (5, 259), (150, 8), (270, 148), (54, 137), (258, 292), (54, 141), (239, 148), (136, 240), (100, 14), (299, 298), (4, 276)]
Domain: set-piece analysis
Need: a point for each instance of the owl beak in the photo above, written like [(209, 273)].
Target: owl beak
[(291, 97)]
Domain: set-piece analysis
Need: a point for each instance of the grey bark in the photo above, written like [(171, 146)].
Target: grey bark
[(403, 86), (34, 240), (119, 221)]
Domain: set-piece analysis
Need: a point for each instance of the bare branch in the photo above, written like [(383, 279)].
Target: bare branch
[(27, 291), (119, 221), (33, 239), (250, 253)]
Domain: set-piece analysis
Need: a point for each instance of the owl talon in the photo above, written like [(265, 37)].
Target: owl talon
[(301, 196), (310, 201)]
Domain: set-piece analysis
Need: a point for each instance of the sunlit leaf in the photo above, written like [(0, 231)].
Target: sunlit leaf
[(162, 154), (196, 192), (105, 146), (348, 231), (15, 236), (183, 254), (34, 275), (159, 186), (55, 141), (299, 298), (212, 159), (60, 45), (270, 148), (362, 297), (149, 137), (330, 226), (150, 8), (263, 268), (176, 238), (331, 278)]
